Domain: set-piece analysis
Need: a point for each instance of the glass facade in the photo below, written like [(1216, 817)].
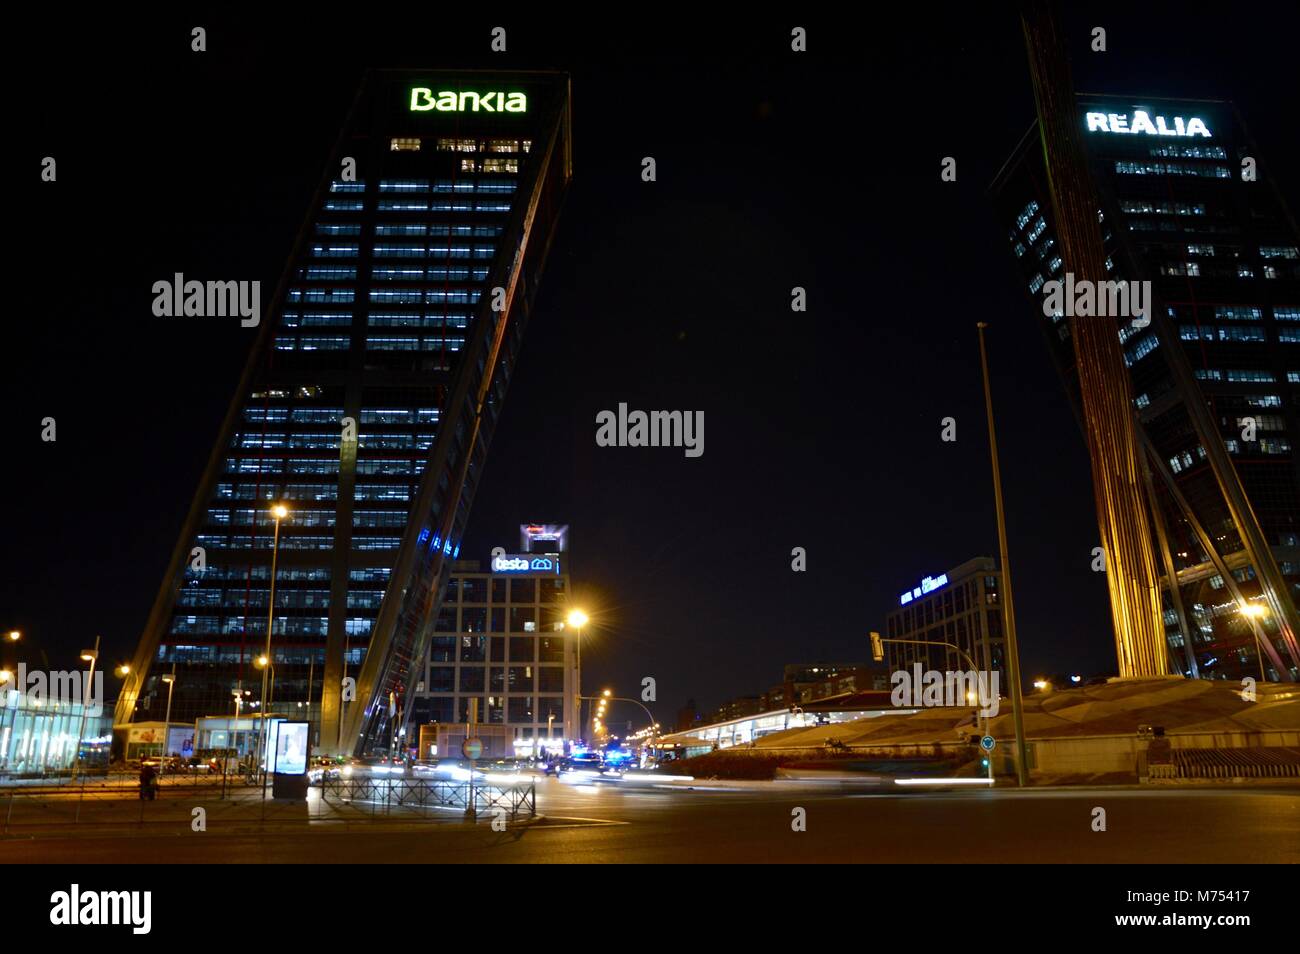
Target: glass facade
[(366, 410), (1220, 251), (37, 737)]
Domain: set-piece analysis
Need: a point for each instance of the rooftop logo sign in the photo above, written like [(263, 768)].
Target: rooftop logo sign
[(424, 99), (928, 585), (1143, 122)]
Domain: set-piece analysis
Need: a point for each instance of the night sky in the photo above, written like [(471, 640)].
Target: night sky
[(775, 169)]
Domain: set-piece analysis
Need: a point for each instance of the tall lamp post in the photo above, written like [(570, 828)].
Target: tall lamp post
[(264, 663), (577, 619), (90, 655), (167, 720), (279, 511)]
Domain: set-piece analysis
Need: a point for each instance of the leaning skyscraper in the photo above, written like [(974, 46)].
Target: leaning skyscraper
[(366, 409), (1188, 205)]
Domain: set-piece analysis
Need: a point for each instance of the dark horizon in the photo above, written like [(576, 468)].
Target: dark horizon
[(775, 169)]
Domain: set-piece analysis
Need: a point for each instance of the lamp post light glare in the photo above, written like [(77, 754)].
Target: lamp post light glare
[(13, 635)]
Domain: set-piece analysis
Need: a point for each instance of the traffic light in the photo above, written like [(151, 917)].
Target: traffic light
[(877, 648)]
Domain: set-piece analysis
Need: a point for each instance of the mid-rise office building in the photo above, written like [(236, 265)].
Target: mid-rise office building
[(366, 408), (501, 639), (1187, 204), (962, 608)]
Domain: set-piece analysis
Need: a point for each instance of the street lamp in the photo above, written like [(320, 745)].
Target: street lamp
[(167, 720), (91, 656), (13, 635), (1256, 612), (577, 619), (264, 662), (279, 511)]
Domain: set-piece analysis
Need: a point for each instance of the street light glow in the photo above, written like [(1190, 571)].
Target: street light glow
[(577, 618), (1257, 610), (13, 635)]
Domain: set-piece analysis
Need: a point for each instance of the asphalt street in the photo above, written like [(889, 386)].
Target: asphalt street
[(609, 824)]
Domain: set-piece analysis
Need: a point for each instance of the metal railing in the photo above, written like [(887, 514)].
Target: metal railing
[(516, 798)]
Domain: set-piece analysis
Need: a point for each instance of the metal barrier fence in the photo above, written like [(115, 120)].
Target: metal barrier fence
[(1277, 762), (516, 798)]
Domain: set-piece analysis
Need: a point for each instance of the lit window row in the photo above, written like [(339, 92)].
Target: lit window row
[(1171, 169), (1245, 333), (323, 295), (1148, 206), (437, 205), (414, 296), (425, 343), (301, 415), (272, 465), (438, 230), (1180, 151), (422, 415), (313, 343), (416, 320), (412, 274), (242, 573), (421, 251)]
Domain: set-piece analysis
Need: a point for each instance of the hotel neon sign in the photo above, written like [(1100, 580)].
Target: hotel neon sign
[(1142, 122), (423, 99), (928, 585)]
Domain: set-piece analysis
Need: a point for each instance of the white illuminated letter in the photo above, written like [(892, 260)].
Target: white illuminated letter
[(421, 99), (1142, 123), (516, 103), (1196, 127), (1097, 122)]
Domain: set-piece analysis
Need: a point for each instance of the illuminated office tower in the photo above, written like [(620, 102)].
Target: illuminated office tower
[(366, 408), (1188, 205)]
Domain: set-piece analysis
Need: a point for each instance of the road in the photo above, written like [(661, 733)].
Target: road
[(607, 824)]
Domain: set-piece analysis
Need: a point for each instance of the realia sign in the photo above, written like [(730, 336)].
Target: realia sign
[(1144, 123), (424, 99)]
